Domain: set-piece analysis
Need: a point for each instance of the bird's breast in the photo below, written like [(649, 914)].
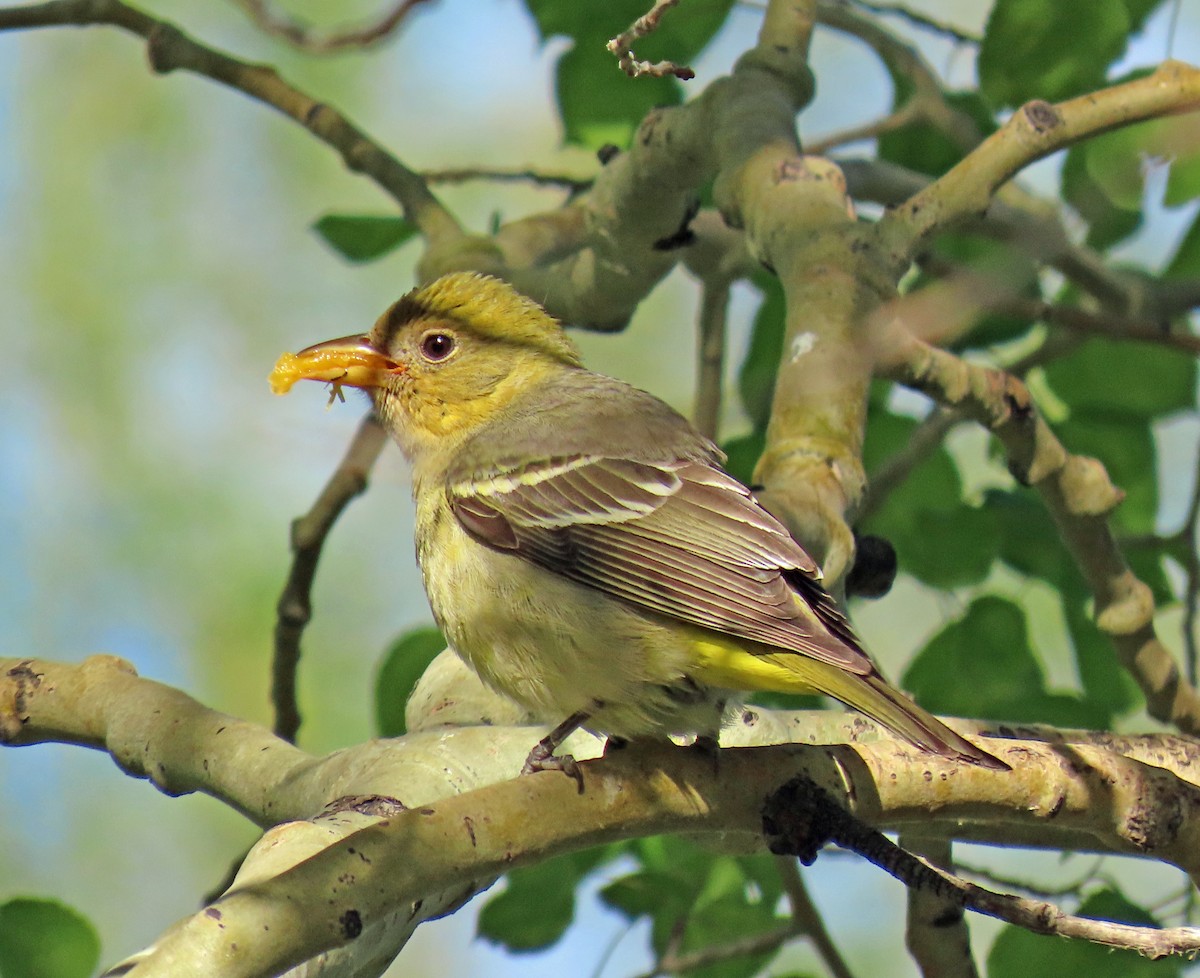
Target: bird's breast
[(553, 645)]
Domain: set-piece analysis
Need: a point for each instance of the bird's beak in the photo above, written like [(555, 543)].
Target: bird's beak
[(353, 361)]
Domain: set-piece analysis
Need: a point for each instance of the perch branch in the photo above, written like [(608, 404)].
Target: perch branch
[(449, 844)]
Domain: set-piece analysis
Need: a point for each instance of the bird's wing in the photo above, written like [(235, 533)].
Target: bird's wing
[(679, 537)]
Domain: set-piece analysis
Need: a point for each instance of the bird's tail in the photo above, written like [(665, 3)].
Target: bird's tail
[(886, 705), (725, 662)]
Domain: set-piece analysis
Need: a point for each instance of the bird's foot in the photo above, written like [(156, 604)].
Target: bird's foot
[(543, 758)]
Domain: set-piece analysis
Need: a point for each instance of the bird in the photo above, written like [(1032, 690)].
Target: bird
[(582, 548)]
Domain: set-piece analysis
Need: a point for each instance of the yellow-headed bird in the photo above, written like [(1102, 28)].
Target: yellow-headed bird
[(581, 546)]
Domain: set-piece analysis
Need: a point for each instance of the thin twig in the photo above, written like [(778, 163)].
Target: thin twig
[(675, 962), (923, 441), (903, 116), (304, 37), (1191, 593), (308, 537), (1100, 323), (808, 917), (537, 177), (919, 19), (925, 99), (1072, 888), (622, 46)]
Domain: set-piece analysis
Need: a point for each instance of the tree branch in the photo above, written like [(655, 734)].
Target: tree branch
[(622, 46), (926, 101), (294, 609), (710, 377), (1079, 496), (304, 37), (802, 817), (170, 49), (1035, 130), (1082, 795)]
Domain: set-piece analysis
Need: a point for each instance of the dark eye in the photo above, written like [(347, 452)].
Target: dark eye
[(437, 346)]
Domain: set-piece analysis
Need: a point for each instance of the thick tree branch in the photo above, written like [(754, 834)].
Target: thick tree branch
[(1036, 227), (1079, 794), (443, 846), (1035, 130)]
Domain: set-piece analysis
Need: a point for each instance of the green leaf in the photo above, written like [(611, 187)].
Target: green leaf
[(1183, 181), (1037, 50), (1017, 953), (742, 455), (404, 663), (45, 939), (1138, 11), (938, 537), (1116, 162), (716, 899), (599, 104), (1029, 540), (1107, 222), (982, 665), (537, 903), (1185, 263), (364, 237), (1124, 380), (1106, 683), (756, 379)]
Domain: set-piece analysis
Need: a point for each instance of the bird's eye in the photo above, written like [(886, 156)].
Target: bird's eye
[(437, 346)]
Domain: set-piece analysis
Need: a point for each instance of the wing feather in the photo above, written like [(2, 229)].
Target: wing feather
[(678, 537)]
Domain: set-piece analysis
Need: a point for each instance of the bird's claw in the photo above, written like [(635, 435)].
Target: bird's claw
[(541, 759)]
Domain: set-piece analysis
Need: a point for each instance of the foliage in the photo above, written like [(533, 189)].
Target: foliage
[(45, 939), (960, 523)]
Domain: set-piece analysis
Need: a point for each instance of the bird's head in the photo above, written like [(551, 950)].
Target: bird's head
[(442, 360)]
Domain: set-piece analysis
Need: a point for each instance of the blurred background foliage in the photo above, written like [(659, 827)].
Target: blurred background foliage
[(164, 240)]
